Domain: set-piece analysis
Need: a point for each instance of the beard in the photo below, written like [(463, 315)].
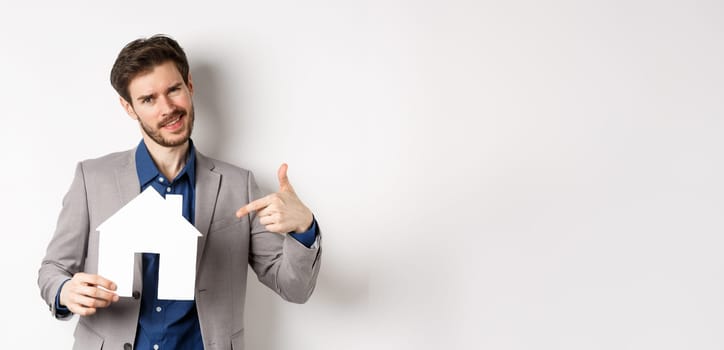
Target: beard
[(155, 133)]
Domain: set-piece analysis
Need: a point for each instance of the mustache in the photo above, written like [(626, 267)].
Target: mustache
[(172, 116)]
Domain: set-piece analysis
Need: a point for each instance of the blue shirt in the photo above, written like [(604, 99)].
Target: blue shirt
[(171, 324), (166, 324)]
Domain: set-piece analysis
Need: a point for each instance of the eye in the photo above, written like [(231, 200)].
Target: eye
[(146, 100)]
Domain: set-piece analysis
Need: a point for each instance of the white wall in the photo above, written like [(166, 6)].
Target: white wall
[(498, 175)]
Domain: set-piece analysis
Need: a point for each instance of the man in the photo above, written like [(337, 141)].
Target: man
[(277, 235)]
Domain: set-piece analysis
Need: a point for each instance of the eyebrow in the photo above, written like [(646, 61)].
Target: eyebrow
[(174, 86)]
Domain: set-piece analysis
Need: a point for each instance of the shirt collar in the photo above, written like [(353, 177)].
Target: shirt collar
[(147, 170)]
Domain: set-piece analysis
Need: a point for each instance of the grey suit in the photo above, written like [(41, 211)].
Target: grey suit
[(102, 186)]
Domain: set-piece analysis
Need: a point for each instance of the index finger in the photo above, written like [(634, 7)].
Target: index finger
[(100, 293), (258, 204), (99, 281)]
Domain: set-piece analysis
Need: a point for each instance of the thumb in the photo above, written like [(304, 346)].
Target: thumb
[(284, 184)]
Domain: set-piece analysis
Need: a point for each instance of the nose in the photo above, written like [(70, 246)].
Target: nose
[(166, 105)]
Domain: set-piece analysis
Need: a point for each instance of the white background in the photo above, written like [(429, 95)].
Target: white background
[(487, 175)]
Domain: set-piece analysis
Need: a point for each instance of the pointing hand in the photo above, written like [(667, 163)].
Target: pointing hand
[(280, 212)]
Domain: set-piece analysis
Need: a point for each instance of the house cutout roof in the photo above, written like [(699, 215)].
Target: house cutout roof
[(150, 224)]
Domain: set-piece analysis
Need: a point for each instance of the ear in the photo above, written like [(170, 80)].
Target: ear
[(128, 108), (190, 85)]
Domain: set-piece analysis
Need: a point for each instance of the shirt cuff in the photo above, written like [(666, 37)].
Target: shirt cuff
[(61, 310), (307, 237)]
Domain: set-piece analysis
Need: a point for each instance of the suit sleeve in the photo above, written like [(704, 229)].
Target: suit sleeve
[(281, 262), (67, 249)]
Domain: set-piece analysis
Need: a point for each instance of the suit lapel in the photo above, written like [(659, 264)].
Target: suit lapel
[(129, 188), (207, 189), (127, 180)]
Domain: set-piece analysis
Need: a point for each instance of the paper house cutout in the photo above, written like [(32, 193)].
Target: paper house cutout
[(150, 224)]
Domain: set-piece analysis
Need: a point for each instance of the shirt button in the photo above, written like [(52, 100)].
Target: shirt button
[(168, 189), (160, 179), (158, 309), (155, 346)]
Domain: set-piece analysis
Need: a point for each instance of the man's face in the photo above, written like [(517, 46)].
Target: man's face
[(162, 104)]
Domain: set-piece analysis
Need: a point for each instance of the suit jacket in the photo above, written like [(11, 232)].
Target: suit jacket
[(102, 186)]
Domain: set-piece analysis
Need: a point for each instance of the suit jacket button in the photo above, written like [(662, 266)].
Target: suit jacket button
[(128, 346), (136, 295)]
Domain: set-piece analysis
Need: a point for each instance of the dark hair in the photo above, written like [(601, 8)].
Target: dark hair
[(141, 55)]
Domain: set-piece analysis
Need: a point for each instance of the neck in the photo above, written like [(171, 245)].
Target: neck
[(168, 160)]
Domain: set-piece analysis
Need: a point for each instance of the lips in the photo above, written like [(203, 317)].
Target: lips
[(174, 123)]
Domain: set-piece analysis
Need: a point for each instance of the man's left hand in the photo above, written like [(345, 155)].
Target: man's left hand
[(280, 212)]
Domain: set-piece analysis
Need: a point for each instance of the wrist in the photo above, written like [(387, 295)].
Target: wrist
[(305, 228), (302, 229)]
